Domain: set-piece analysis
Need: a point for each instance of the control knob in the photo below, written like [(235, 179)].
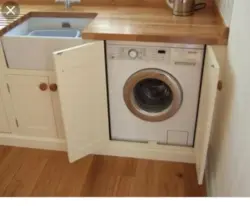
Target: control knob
[(132, 53)]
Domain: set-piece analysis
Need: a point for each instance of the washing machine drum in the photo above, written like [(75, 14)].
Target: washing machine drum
[(152, 95)]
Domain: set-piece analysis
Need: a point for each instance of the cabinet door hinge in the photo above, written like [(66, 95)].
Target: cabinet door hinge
[(8, 87), (17, 124)]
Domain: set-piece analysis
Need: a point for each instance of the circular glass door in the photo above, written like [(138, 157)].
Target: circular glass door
[(152, 95)]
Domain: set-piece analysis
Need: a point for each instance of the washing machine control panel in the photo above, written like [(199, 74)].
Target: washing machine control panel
[(175, 56), (138, 53)]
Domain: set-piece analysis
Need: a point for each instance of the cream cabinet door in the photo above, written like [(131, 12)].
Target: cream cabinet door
[(31, 106), (206, 111), (4, 125), (56, 106), (81, 79)]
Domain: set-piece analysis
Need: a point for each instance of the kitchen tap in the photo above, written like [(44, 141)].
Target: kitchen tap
[(67, 4)]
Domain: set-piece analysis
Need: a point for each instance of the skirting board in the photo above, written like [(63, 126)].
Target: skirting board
[(33, 142), (112, 148), (149, 151)]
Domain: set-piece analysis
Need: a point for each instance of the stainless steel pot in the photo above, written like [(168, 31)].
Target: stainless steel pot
[(185, 7)]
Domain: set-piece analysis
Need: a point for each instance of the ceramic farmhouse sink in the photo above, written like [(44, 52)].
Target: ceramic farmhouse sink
[(30, 44), (70, 33)]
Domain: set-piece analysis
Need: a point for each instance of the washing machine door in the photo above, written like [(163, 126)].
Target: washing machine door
[(152, 95)]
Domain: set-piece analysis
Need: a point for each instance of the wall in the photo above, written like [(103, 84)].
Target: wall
[(225, 7), (229, 151)]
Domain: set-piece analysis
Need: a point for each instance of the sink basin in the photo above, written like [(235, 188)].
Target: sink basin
[(30, 44), (50, 27), (73, 33)]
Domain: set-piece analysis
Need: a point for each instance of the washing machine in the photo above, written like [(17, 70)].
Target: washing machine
[(153, 91)]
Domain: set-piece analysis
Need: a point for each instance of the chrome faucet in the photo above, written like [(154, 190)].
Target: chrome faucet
[(67, 4)]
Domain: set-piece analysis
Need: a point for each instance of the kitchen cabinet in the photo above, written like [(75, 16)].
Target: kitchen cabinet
[(4, 125), (31, 103), (78, 109), (83, 96)]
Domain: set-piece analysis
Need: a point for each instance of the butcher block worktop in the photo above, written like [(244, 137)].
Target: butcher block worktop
[(135, 23)]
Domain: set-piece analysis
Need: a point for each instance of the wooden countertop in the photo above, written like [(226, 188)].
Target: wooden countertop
[(136, 23)]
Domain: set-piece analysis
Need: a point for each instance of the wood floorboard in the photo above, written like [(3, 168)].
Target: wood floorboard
[(4, 151), (73, 179), (41, 173), (10, 165), (26, 177), (51, 175)]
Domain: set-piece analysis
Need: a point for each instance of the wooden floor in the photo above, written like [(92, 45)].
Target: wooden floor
[(30, 172)]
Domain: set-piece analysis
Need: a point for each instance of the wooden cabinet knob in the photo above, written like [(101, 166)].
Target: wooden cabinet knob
[(43, 86), (219, 85), (53, 87)]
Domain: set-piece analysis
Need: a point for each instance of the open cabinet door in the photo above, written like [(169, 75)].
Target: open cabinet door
[(206, 111), (82, 92)]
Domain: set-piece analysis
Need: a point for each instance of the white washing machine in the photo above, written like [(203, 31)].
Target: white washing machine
[(154, 91)]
